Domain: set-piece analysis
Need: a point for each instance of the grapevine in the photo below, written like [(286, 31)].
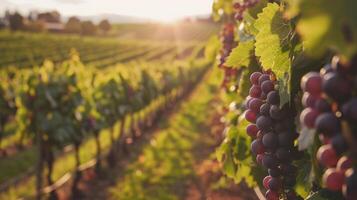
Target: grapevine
[(296, 99)]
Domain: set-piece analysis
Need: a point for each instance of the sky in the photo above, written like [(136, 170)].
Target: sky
[(164, 10)]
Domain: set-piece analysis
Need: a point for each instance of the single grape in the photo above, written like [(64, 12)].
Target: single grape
[(311, 82), (263, 78), (333, 179), (344, 163), (264, 123), (326, 155), (272, 195), (274, 184), (308, 117), (328, 124), (254, 78), (266, 181), (255, 91), (309, 100), (337, 86), (257, 146), (270, 161), (349, 110), (339, 144), (264, 109), (322, 106), (252, 130), (255, 104), (276, 113), (250, 116), (270, 140), (267, 86), (273, 98)]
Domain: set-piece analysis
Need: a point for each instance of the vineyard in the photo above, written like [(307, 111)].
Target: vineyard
[(72, 106), (257, 103)]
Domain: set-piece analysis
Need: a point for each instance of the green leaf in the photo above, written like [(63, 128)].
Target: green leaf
[(325, 24), (212, 47), (273, 47), (240, 56)]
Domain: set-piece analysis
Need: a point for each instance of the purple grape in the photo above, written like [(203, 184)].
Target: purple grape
[(252, 130), (339, 144), (322, 106), (273, 98), (311, 83), (276, 113), (270, 140), (269, 161), (263, 78), (267, 86), (257, 146), (337, 86), (254, 78), (327, 124), (264, 123), (349, 110), (274, 184), (286, 140), (283, 155), (255, 104), (255, 91), (264, 109)]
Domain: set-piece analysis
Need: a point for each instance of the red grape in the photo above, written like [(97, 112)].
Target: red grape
[(333, 179), (326, 155), (311, 82)]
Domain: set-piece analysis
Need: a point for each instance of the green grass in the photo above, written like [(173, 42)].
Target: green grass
[(165, 166)]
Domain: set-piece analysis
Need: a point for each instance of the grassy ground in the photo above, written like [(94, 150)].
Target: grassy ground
[(166, 166)]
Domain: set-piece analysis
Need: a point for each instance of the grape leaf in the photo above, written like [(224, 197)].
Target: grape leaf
[(212, 47), (240, 56), (327, 24), (273, 47), (306, 138)]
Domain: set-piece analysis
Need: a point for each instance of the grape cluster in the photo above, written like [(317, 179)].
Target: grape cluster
[(273, 131), (330, 101), (242, 6), (228, 43)]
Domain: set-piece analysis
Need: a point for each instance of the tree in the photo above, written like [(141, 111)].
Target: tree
[(16, 21), (105, 26), (73, 25), (88, 28), (52, 17)]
